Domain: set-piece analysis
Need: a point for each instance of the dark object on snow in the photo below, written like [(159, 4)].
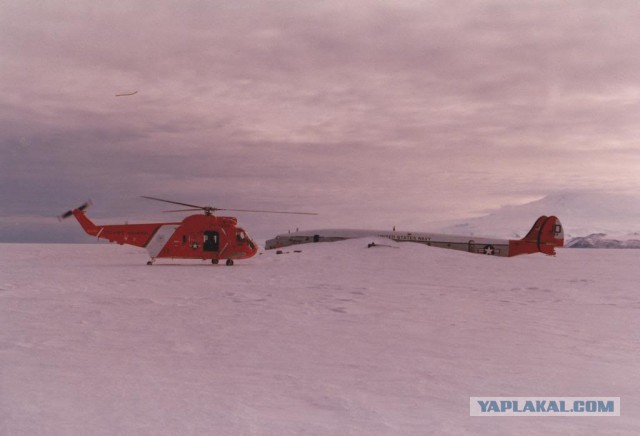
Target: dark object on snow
[(373, 244)]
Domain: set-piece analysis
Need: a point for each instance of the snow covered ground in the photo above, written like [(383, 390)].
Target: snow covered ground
[(339, 339)]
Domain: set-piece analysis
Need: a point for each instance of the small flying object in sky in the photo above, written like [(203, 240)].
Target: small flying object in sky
[(125, 94)]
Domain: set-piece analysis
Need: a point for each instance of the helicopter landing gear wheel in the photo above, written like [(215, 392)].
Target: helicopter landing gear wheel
[(229, 262), (214, 261), (150, 262)]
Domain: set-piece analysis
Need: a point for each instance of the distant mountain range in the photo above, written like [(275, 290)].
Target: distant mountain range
[(593, 219), (600, 240)]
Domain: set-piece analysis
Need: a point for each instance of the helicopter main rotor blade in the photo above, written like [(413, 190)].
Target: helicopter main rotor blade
[(173, 202), (183, 210), (269, 211), (210, 209)]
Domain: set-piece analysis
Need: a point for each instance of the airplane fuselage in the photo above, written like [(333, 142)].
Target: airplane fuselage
[(493, 246), (545, 234)]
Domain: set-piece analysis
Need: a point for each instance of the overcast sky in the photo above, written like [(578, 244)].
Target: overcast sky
[(370, 113)]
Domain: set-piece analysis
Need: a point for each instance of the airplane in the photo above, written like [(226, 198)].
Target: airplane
[(206, 237), (544, 236)]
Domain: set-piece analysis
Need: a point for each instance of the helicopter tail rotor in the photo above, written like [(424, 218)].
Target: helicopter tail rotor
[(69, 213)]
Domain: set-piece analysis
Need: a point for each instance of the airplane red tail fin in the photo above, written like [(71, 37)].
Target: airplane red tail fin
[(544, 236)]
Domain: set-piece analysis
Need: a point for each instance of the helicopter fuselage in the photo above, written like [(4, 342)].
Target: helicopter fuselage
[(206, 237)]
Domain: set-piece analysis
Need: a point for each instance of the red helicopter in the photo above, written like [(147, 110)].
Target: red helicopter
[(206, 237)]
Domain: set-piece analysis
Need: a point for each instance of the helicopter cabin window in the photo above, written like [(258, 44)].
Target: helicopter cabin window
[(211, 241), (241, 236)]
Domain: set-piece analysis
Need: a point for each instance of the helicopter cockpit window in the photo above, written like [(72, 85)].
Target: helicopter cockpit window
[(241, 236)]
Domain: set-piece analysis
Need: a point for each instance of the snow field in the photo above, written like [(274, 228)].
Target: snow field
[(339, 339)]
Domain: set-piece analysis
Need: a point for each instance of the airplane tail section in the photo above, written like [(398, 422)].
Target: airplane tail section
[(544, 236), (85, 222)]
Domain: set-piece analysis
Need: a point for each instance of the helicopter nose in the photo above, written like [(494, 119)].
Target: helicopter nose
[(253, 248)]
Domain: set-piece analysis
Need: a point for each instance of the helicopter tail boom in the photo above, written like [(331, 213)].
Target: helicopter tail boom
[(133, 234), (85, 222)]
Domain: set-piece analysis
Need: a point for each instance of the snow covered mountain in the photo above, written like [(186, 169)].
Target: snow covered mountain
[(612, 215), (600, 240)]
